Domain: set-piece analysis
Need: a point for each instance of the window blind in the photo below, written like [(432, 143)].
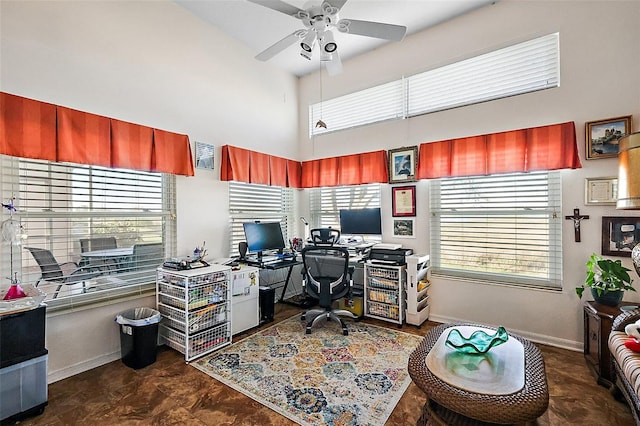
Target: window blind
[(514, 70), (251, 202), (375, 104), (326, 203), (501, 228), (64, 207)]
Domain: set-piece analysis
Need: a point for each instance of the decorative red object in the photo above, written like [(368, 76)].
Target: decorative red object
[(633, 344), (15, 292)]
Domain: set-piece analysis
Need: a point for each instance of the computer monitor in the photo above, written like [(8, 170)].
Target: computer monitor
[(361, 222), (263, 236)]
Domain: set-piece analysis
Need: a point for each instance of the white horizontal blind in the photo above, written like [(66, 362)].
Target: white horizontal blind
[(379, 103), (514, 70), (60, 204), (326, 203), (501, 228), (522, 68), (251, 202)]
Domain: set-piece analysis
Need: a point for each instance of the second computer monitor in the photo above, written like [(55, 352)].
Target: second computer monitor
[(361, 222)]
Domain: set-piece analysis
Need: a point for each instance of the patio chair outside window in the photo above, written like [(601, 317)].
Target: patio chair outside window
[(66, 273)]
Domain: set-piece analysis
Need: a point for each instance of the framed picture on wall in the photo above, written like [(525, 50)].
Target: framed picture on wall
[(204, 156), (403, 201), (403, 163), (403, 228), (620, 235), (601, 137), (601, 191)]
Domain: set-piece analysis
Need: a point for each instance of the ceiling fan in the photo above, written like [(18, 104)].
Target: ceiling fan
[(319, 21)]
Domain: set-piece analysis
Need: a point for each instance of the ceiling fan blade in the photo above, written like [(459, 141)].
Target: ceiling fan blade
[(372, 29), (279, 6), (336, 3), (278, 47), (334, 66)]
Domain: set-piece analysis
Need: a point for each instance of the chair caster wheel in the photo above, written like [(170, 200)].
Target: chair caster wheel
[(307, 331), (345, 332), (303, 317)]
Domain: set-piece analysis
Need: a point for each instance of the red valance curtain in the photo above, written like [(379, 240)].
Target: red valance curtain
[(27, 128), (34, 129), (538, 148), (243, 165), (355, 169)]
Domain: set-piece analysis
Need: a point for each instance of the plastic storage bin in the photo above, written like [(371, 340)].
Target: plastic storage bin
[(138, 336), (22, 336), (23, 388)]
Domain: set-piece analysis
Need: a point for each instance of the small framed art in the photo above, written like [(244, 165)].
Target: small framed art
[(601, 191), (403, 201), (402, 164), (620, 234), (403, 228), (204, 156), (601, 137)]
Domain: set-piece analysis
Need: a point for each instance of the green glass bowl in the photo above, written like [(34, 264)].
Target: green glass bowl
[(478, 343)]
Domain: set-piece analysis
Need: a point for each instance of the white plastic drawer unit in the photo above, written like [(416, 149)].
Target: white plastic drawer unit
[(23, 386)]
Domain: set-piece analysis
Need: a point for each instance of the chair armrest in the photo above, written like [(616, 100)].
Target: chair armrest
[(624, 319)]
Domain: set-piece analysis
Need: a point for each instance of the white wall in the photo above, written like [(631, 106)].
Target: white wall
[(600, 78), (155, 64)]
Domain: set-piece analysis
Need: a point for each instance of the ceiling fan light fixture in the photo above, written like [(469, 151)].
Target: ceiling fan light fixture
[(328, 43), (308, 41)]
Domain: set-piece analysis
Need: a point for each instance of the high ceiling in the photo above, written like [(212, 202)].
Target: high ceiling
[(259, 27)]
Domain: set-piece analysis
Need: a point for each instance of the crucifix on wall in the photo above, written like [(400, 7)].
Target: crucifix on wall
[(577, 218)]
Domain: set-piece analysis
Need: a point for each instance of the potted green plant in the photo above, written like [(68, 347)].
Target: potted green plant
[(608, 280)]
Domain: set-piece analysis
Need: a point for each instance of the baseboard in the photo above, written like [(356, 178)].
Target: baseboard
[(72, 370), (534, 337)]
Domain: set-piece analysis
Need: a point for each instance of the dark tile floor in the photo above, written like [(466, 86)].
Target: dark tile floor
[(172, 392)]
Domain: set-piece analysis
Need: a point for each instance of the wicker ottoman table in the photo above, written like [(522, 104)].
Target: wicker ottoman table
[(449, 405)]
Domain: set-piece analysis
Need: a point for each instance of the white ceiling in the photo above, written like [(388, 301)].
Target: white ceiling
[(259, 27)]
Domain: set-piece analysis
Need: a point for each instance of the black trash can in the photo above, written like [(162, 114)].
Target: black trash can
[(138, 336)]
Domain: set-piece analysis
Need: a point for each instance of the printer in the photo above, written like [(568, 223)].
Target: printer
[(389, 256)]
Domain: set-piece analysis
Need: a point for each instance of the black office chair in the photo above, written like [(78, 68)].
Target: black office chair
[(327, 277), (66, 273)]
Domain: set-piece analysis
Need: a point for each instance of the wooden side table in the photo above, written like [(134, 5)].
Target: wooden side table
[(598, 320)]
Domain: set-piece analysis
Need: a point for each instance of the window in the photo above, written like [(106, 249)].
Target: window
[(66, 208), (522, 68), (326, 203), (380, 103), (501, 228), (250, 202)]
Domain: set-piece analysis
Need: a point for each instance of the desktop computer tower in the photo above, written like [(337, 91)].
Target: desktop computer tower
[(266, 303)]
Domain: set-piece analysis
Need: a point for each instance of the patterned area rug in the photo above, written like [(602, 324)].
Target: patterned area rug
[(322, 378)]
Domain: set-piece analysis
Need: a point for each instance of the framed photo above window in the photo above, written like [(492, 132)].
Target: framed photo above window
[(620, 235), (601, 137), (601, 191), (402, 164), (403, 201), (403, 228)]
